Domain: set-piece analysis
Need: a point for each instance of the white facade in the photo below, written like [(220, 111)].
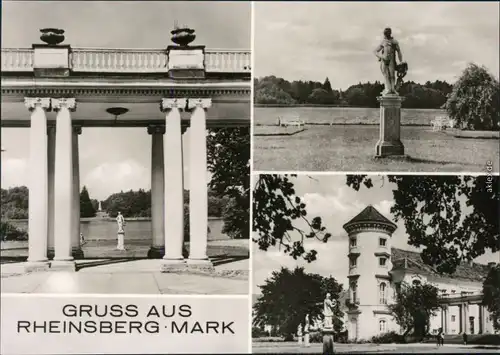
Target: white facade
[(373, 280)]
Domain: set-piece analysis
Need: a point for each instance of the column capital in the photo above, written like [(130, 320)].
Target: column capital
[(32, 102), (69, 103), (168, 104), (77, 130), (156, 129), (203, 103)]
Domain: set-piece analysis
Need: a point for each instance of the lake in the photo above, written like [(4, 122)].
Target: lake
[(105, 229), (341, 115)]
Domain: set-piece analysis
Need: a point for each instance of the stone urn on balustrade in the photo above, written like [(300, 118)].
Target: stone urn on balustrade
[(183, 36), (52, 36)]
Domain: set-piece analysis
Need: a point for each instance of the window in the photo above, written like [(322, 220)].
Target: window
[(382, 242), (354, 292), (452, 318), (382, 293), (353, 242), (453, 291), (381, 261), (382, 325), (353, 262)]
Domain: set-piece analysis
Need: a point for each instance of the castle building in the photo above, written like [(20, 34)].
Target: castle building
[(376, 270)]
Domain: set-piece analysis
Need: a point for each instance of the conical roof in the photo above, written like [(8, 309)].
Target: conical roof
[(370, 214)]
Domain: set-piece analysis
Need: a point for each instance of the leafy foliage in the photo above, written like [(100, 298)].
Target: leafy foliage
[(14, 202), (454, 217), (275, 209), (86, 207), (278, 91), (8, 231), (228, 159), (491, 295), (414, 306), (288, 296), (388, 338), (475, 100)]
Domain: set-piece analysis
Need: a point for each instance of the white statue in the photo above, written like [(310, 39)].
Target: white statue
[(307, 329), (299, 334), (121, 232), (328, 306), (99, 208)]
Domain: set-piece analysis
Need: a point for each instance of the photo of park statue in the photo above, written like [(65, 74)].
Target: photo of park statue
[(376, 263), (396, 89)]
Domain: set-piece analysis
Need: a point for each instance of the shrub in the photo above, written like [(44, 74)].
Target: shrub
[(9, 231), (258, 332), (474, 102), (388, 338), (315, 337)]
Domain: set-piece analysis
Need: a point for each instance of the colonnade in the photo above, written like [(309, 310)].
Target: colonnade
[(54, 186), (463, 318)]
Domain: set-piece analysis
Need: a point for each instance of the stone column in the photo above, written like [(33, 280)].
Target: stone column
[(63, 183), (174, 204), (157, 249), (460, 318), (446, 320), (198, 191), (38, 185), (76, 248), (51, 135), (466, 318), (389, 143), (481, 319)]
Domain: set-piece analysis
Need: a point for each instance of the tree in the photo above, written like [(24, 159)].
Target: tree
[(327, 86), (414, 306), (474, 102), (14, 202), (455, 218), (86, 208), (491, 295), (275, 209), (288, 296), (228, 159)]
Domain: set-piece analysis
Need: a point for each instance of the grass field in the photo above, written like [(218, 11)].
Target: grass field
[(352, 148)]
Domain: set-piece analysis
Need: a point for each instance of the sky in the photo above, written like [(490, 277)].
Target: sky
[(336, 203), (312, 41), (114, 159)]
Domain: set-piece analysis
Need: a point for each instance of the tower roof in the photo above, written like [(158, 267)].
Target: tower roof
[(370, 214)]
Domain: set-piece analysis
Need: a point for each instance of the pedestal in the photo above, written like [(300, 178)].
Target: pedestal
[(121, 241), (328, 341), (306, 340), (389, 143)]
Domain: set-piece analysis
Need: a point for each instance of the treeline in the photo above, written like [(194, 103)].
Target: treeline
[(15, 205), (271, 90)]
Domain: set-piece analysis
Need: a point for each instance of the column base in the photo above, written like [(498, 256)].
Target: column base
[(328, 341), (51, 253), (36, 266), (77, 253), (389, 148), (173, 265), (63, 265), (156, 252), (204, 265)]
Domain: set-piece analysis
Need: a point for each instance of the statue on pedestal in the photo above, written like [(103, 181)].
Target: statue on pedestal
[(121, 232), (307, 329), (386, 53), (299, 334), (328, 308)]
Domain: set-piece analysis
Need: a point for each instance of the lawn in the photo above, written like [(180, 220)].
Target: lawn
[(352, 148)]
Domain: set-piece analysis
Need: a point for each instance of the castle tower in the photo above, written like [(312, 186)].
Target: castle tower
[(369, 280)]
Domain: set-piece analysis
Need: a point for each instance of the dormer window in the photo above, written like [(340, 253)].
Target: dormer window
[(353, 262), (353, 242), (382, 242), (382, 261)]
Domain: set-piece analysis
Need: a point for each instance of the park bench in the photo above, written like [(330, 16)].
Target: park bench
[(290, 122)]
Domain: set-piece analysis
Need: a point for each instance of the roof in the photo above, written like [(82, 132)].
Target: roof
[(412, 261), (370, 214)]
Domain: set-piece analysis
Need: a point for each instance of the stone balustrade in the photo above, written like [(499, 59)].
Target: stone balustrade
[(17, 59), (101, 60)]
